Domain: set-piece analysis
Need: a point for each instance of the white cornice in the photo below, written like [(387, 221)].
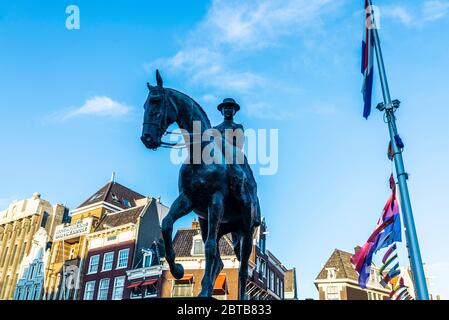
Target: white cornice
[(96, 205)]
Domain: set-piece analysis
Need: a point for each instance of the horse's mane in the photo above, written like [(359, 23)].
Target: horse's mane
[(183, 95)]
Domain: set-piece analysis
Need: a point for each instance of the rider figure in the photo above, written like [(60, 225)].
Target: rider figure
[(233, 133)]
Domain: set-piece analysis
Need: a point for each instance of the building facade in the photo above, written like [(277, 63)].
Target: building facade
[(338, 280), (290, 285), (70, 246), (120, 241), (18, 226), (32, 269), (266, 272)]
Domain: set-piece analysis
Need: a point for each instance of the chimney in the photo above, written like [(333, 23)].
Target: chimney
[(357, 248), (195, 224)]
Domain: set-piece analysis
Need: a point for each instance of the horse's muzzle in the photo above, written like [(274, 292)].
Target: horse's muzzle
[(149, 142)]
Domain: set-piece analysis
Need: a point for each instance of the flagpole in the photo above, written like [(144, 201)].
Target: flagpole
[(389, 107)]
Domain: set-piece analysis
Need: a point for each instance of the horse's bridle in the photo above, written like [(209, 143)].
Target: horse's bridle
[(165, 124), (160, 126)]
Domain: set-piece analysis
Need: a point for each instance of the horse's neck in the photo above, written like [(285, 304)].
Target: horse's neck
[(189, 112)]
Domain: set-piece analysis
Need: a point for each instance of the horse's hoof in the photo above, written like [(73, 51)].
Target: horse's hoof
[(177, 271), (205, 294)]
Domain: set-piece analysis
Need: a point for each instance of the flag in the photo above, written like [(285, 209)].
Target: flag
[(367, 63), (388, 231)]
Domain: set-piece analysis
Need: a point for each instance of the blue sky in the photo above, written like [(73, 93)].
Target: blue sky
[(71, 109)]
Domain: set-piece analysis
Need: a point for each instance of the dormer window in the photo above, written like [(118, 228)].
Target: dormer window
[(115, 198), (126, 203), (96, 196), (147, 259), (331, 273), (198, 246)]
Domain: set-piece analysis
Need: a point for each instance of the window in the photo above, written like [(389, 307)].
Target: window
[(150, 291), (281, 294), (126, 203), (115, 198), (103, 289), (89, 290), (117, 291), (27, 292), (332, 293), (44, 219), (39, 269), (31, 272), (262, 269), (4, 256), (277, 286), (272, 280), (107, 261), (198, 247), (123, 258), (11, 260), (93, 264), (262, 243), (148, 259), (37, 292), (182, 288), (18, 295), (331, 273)]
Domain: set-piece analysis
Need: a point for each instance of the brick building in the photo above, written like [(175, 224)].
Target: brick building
[(338, 280), (266, 276), (119, 242), (70, 243)]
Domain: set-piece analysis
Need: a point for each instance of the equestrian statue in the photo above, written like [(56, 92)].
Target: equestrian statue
[(223, 194)]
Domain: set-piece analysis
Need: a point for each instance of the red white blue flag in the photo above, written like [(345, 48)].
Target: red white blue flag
[(367, 61)]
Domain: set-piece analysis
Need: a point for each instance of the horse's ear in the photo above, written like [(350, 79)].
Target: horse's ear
[(159, 79), (149, 86)]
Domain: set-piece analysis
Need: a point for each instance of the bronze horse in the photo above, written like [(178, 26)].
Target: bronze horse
[(225, 199)]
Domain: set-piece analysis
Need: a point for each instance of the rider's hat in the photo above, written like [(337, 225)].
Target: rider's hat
[(227, 102)]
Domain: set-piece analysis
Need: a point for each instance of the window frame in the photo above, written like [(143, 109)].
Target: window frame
[(118, 259), (114, 288), (90, 264), (103, 269), (93, 282), (104, 280)]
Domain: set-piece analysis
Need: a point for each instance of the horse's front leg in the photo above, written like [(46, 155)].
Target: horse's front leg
[(180, 207), (216, 209)]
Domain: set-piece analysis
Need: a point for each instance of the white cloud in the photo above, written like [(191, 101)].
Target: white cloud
[(263, 110), (233, 31), (429, 11), (398, 12), (210, 98), (435, 9), (99, 106), (255, 24)]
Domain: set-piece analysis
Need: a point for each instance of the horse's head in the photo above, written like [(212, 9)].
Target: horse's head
[(159, 114)]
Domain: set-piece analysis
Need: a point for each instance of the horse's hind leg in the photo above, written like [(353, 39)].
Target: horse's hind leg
[(180, 207), (211, 245), (246, 243)]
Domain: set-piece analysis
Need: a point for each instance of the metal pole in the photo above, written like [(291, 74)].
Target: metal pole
[(416, 264)]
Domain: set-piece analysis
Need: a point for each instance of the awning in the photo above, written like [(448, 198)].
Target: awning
[(186, 279), (220, 284), (135, 284), (149, 282)]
